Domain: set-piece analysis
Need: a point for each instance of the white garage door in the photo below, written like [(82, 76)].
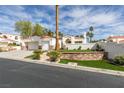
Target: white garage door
[(33, 45), (45, 47)]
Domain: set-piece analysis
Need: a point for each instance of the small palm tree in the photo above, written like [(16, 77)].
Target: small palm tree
[(90, 33), (50, 33)]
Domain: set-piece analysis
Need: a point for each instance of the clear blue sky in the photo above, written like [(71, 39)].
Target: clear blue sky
[(73, 20)]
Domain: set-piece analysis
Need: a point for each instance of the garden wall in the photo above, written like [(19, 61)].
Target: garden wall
[(113, 49), (83, 55), (83, 46)]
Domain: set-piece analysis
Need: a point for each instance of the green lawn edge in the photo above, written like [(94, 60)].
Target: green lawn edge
[(104, 64)]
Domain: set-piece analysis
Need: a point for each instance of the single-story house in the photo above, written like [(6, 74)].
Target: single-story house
[(117, 39), (36, 42)]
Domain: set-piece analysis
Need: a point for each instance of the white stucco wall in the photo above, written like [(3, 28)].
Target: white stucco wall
[(35, 38), (113, 49), (17, 47), (83, 46), (32, 45), (53, 42)]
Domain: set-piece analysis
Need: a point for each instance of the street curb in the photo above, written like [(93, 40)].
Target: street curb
[(84, 68)]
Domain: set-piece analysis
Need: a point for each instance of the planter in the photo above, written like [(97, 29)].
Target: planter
[(54, 56)]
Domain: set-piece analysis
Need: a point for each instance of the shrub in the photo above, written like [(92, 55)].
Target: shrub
[(79, 48), (37, 51), (12, 44), (98, 48), (36, 54), (54, 55), (74, 49), (88, 48), (1, 50), (119, 60)]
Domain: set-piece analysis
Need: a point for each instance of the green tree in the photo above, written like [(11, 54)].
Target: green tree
[(90, 33), (38, 30), (24, 27)]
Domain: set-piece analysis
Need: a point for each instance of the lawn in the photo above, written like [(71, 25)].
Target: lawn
[(96, 64), (76, 51)]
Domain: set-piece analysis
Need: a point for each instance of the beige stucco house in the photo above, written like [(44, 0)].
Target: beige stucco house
[(117, 39)]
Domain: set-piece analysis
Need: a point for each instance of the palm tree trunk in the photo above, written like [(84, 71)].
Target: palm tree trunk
[(57, 32)]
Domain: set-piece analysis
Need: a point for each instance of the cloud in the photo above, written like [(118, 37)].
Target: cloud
[(73, 20), (15, 11), (106, 20), (35, 14)]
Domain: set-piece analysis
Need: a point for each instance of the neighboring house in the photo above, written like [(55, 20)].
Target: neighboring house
[(36, 42), (10, 38), (117, 39), (7, 42), (3, 43), (72, 40)]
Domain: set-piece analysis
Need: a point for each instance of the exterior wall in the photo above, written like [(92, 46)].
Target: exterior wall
[(45, 43), (12, 37), (3, 44), (72, 39), (113, 49), (83, 56), (83, 46), (116, 39), (17, 47), (53, 42), (32, 45), (35, 38)]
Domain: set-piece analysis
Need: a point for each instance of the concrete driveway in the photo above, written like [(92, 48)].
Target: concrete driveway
[(20, 54)]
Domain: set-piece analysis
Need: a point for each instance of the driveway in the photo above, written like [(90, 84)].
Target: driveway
[(30, 75), (18, 54)]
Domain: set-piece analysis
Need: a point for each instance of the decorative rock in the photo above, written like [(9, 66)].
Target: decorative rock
[(72, 64)]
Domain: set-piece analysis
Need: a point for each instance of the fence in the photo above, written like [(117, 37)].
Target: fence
[(83, 46), (113, 49)]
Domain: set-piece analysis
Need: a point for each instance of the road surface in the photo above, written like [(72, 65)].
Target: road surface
[(17, 74)]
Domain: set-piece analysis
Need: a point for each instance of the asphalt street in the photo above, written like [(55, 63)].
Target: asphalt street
[(17, 74)]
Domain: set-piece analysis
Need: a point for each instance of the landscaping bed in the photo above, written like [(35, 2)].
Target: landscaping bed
[(104, 64)]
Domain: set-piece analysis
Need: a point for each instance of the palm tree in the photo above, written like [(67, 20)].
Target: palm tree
[(90, 33), (50, 33), (91, 28), (60, 34), (57, 32)]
